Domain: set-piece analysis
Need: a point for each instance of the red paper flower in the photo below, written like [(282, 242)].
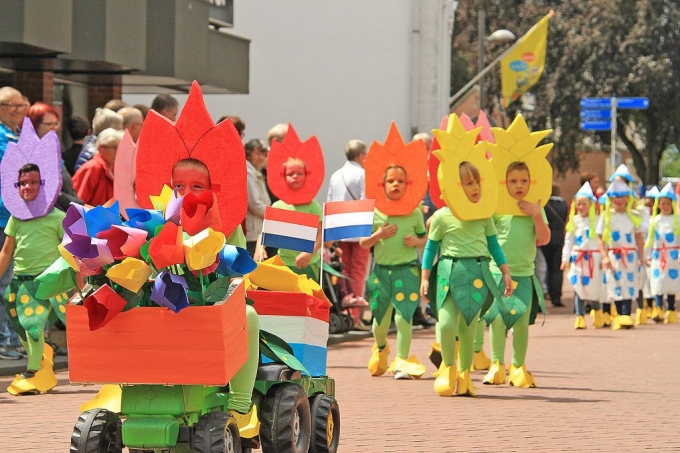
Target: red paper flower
[(124, 242), (167, 248), (102, 305), (200, 212)]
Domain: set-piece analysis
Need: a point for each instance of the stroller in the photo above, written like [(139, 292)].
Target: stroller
[(340, 319)]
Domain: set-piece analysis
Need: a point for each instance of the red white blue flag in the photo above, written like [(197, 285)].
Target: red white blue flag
[(290, 230), (348, 219)]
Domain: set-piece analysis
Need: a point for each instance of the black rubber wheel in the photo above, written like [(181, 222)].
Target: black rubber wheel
[(96, 432), (216, 432), (349, 321), (286, 420), (325, 424), (335, 323)]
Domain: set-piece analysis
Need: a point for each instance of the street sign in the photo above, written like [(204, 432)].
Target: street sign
[(632, 103), (596, 103), (596, 114), (596, 125)]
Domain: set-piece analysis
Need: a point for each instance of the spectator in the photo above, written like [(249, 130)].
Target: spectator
[(12, 111), (132, 121), (258, 198), (94, 180), (238, 124), (142, 108), (115, 104), (44, 119), (166, 105), (277, 133), (557, 211), (78, 128), (103, 119)]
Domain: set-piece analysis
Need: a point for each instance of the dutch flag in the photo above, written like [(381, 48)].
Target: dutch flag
[(290, 230), (348, 219)]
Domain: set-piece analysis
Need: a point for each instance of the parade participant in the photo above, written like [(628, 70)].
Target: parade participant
[(621, 244), (296, 171), (522, 225), (663, 244), (581, 256), (645, 298), (34, 231), (396, 177)]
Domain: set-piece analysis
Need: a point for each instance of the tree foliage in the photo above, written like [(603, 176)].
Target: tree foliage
[(596, 48)]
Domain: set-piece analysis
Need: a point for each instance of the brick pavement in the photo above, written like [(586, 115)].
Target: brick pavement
[(599, 391)]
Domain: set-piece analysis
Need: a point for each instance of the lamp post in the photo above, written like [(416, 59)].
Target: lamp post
[(497, 36)]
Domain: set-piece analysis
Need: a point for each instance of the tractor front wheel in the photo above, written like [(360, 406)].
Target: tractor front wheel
[(96, 431)]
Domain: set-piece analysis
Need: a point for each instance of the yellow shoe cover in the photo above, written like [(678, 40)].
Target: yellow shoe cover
[(640, 316), (625, 321), (598, 318), (671, 317), (580, 323), (496, 375), (446, 377), (440, 369), (377, 364), (613, 311), (480, 361), (43, 381), (21, 386), (435, 355), (410, 366), (248, 424), (464, 384), (108, 397), (657, 314), (520, 377), (649, 308), (606, 319)]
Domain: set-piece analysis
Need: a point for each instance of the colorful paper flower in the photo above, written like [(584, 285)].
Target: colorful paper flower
[(58, 278), (160, 202), (234, 261), (200, 250), (91, 252), (173, 210), (200, 212), (102, 305), (167, 247), (68, 256), (170, 291), (144, 219), (102, 218), (124, 241), (74, 221), (131, 274)]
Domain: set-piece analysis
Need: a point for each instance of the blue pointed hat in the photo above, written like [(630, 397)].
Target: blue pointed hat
[(585, 191), (623, 172), (652, 193), (618, 188), (667, 192)]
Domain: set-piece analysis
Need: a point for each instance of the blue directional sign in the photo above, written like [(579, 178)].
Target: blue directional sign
[(632, 103), (596, 103), (604, 125), (596, 114)]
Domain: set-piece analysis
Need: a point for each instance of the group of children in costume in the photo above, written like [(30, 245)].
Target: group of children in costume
[(625, 252)]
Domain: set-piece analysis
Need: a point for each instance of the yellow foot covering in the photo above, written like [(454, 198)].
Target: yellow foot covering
[(671, 317), (108, 397), (657, 314), (377, 364), (520, 377), (248, 424), (580, 322), (411, 367), (624, 322), (446, 377), (480, 361), (606, 319), (640, 316), (43, 381), (464, 384), (496, 375), (598, 318)]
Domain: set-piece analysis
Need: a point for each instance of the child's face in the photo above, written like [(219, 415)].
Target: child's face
[(619, 203), (295, 174), (188, 179), (395, 183), (471, 187), (666, 206), (518, 183), (29, 185), (582, 206), (649, 202)]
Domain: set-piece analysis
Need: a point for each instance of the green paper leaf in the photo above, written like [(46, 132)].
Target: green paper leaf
[(329, 270), (132, 299), (58, 278), (276, 349), (193, 283), (216, 291)]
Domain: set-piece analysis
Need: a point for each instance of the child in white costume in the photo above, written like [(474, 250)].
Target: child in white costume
[(646, 299), (663, 246), (621, 245), (581, 255)]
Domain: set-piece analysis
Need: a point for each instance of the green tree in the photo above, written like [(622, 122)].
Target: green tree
[(596, 48)]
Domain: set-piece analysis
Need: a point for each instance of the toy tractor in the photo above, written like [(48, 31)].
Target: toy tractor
[(172, 368)]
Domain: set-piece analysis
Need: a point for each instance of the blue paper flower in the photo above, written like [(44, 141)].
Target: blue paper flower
[(234, 262), (145, 219), (170, 291)]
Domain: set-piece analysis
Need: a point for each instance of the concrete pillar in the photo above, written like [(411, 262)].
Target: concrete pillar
[(99, 95), (38, 86)]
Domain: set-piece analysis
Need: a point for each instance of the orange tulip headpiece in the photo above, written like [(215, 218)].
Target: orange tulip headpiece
[(308, 152), (412, 157), (162, 144)]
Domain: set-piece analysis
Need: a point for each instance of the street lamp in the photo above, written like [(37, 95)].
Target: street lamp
[(497, 36)]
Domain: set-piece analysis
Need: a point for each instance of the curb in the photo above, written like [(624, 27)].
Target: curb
[(12, 367)]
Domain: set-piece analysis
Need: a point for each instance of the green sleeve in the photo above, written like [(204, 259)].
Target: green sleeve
[(237, 237), (420, 223), (430, 252), (11, 228), (545, 218), (435, 233), (490, 228), (496, 250)]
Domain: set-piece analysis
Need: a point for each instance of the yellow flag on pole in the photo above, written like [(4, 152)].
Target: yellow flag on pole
[(523, 66)]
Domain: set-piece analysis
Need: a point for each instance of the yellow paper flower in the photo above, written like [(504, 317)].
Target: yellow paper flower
[(68, 257), (131, 273), (200, 250), (160, 202)]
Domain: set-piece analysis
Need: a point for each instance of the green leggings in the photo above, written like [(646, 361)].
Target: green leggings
[(241, 385), (34, 349), (451, 325), (404, 332), (520, 339), (479, 337)]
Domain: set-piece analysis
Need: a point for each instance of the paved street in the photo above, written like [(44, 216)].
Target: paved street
[(599, 391)]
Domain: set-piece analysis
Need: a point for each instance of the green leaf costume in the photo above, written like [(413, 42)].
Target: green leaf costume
[(528, 291), (398, 285), (29, 314)]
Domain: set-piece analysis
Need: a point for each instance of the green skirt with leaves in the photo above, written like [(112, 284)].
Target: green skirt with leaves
[(528, 294), (397, 285)]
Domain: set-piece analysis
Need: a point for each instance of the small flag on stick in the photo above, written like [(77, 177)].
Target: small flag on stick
[(348, 219), (290, 230)]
